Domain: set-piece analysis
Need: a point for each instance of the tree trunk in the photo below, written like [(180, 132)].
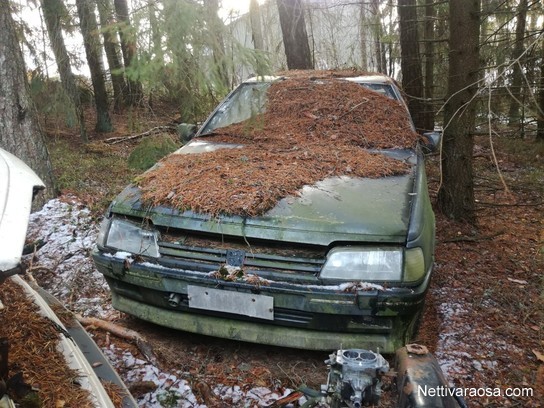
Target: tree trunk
[(216, 28), (517, 74), (256, 29), (412, 77), (363, 30), (390, 71), (133, 91), (377, 28), (52, 11), (456, 195), (20, 133), (89, 30), (155, 32), (540, 109), (295, 38), (111, 48), (429, 65)]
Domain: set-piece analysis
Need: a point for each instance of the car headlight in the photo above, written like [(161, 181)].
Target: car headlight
[(361, 263), (130, 237), (414, 265)]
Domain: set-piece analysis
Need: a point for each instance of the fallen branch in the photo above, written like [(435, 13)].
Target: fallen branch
[(288, 399), (122, 332), (150, 132)]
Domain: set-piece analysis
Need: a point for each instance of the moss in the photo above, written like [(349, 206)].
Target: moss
[(151, 150), (94, 172)]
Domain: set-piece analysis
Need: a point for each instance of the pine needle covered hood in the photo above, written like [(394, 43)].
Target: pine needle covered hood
[(325, 161), (339, 208)]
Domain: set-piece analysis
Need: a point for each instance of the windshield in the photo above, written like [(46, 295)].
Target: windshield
[(245, 102)]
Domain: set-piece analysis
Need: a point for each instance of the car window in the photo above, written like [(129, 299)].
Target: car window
[(245, 102), (383, 89)]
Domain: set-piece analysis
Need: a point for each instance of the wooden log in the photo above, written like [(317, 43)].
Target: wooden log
[(143, 345)]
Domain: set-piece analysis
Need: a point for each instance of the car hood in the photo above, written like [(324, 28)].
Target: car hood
[(17, 184), (336, 209)]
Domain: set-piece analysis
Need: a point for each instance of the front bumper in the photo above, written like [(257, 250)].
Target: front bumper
[(303, 316)]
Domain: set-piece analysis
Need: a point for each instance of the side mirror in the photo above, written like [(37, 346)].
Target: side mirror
[(186, 131), (431, 141)]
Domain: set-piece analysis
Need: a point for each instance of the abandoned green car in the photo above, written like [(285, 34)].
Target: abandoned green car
[(343, 262)]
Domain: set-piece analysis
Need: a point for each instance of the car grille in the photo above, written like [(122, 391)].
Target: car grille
[(209, 253)]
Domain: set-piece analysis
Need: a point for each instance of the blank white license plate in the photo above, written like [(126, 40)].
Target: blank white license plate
[(246, 304)]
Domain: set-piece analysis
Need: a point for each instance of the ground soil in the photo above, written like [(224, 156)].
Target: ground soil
[(484, 312)]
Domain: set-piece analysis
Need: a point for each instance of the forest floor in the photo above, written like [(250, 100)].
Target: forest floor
[(483, 318)]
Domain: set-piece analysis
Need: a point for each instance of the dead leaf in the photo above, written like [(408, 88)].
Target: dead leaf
[(539, 355), (518, 281), (310, 115)]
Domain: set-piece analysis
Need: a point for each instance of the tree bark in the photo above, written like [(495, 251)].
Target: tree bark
[(133, 91), (111, 48), (429, 65), (295, 38), (363, 29), (89, 30), (256, 29), (517, 74), (540, 117), (52, 11), (216, 28), (412, 76), (20, 133), (456, 195), (155, 32), (378, 31)]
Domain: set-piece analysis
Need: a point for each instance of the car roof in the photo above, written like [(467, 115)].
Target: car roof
[(371, 79), (263, 78)]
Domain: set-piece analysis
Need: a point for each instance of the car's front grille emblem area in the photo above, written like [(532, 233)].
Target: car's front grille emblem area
[(235, 257)]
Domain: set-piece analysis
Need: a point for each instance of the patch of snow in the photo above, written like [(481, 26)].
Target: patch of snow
[(169, 386), (177, 391), (263, 396), (464, 344), (69, 233), (119, 255), (348, 286)]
